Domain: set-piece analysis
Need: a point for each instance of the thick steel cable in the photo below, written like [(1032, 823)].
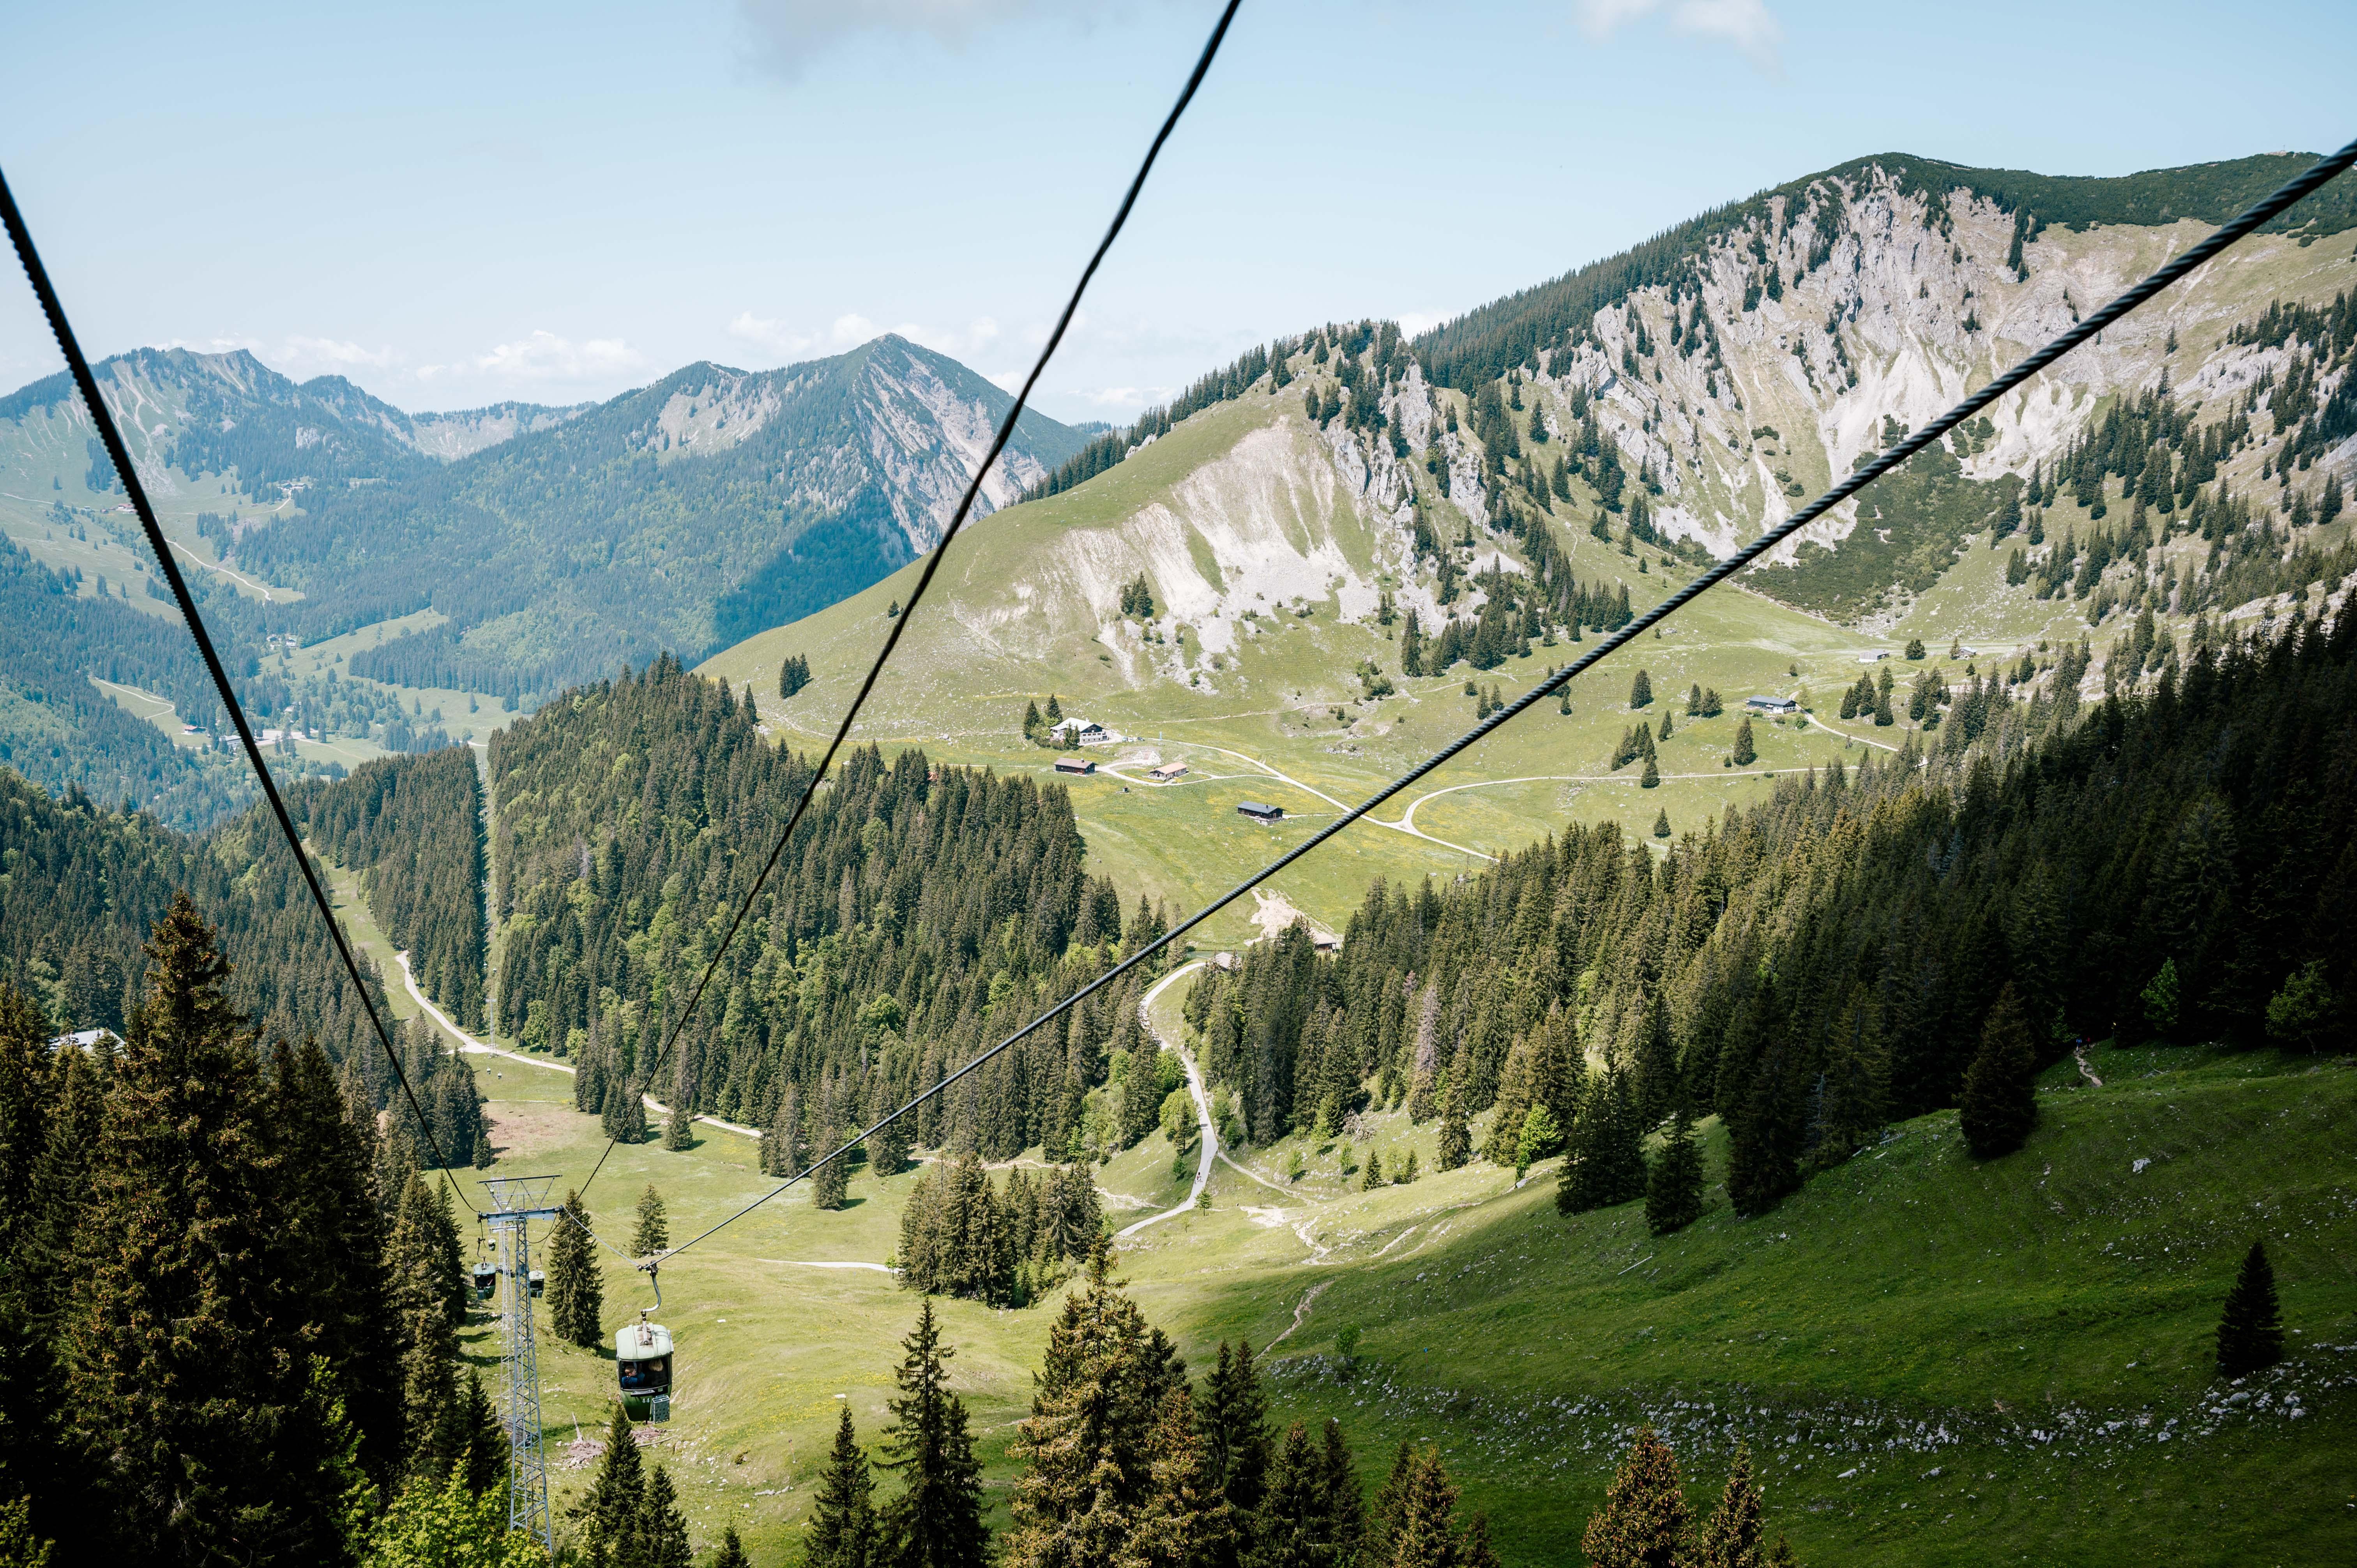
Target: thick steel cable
[(933, 561), (102, 417), (2235, 229)]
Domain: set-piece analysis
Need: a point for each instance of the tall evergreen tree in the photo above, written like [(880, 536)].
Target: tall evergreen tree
[(936, 1522), (2000, 1098), (1731, 1536), (1234, 1427), (1098, 1448), (651, 1233), (576, 1292), (203, 1435), (428, 1335), (843, 1532), (611, 1511), (732, 1551), (1455, 1144), (1745, 753), (1674, 1189), (831, 1183), (2250, 1331), (1644, 1522), (662, 1527)]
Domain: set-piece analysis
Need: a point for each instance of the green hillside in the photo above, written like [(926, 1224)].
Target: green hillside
[(2033, 1335)]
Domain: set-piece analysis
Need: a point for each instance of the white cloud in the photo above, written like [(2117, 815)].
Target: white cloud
[(1746, 23), (850, 330), (298, 356), (1416, 323), (767, 334), (1749, 24), (792, 33), (544, 357)]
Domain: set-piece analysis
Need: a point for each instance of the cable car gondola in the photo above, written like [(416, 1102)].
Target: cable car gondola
[(642, 1363), (539, 1284), (486, 1280)]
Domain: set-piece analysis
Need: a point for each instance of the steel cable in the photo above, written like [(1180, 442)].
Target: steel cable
[(933, 561), (103, 418), (2307, 183)]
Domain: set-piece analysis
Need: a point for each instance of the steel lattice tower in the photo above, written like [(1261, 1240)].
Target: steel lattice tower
[(516, 1201)]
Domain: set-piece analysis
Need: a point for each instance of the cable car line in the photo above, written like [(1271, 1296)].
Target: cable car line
[(2235, 229), (102, 416), (941, 550)]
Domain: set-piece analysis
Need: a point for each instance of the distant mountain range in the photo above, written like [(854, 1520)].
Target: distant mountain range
[(1684, 394)]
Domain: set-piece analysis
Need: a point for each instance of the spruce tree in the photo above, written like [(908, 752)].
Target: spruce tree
[(1644, 1522), (429, 1337), (577, 1293), (1661, 824), (1294, 1530), (1745, 753), (652, 1234), (611, 1511), (1233, 1426), (2250, 1331), (831, 1183), (679, 1124), (1730, 1537), (662, 1527), (732, 1551), (185, 1371), (936, 1522), (1641, 691), (843, 1525), (1674, 1189), (1455, 1138), (1345, 1507), (1999, 1105)]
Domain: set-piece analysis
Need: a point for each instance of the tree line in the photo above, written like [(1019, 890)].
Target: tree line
[(921, 915), (236, 1302), (412, 828), (1865, 946)]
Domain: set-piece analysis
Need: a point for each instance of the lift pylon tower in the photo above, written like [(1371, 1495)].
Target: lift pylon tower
[(515, 1202)]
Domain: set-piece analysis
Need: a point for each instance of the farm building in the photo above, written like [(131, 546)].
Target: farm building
[(1075, 764), (1167, 772), (1259, 812), (1772, 705)]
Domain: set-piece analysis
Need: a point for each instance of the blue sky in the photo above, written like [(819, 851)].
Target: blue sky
[(455, 204)]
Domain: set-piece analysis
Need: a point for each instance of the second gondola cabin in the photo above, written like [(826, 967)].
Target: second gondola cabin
[(642, 1365)]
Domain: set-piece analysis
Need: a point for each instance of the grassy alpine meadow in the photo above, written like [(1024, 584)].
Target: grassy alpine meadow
[(1934, 1360)]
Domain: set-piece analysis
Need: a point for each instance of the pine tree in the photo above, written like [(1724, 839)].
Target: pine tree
[(1730, 1537), (1641, 691), (1999, 1105), (577, 1294), (1644, 1522), (831, 1183), (1536, 1140), (1372, 1176), (1455, 1138), (1651, 778), (843, 1532), (1674, 1189), (662, 1527), (611, 1511), (428, 1335), (1099, 1445), (679, 1124), (732, 1551), (1855, 1093), (2250, 1331), (936, 1522), (1233, 1426), (1294, 1528), (1745, 754), (652, 1234), (184, 1366)]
